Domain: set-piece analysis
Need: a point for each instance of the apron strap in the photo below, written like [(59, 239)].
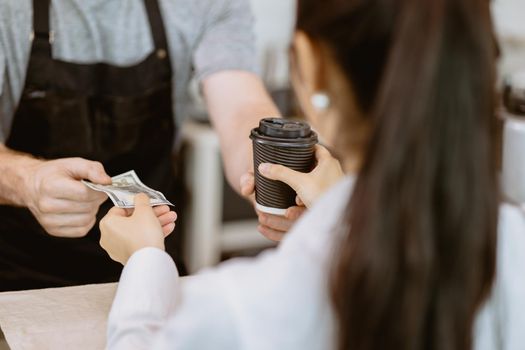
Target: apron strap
[(42, 37), (156, 24)]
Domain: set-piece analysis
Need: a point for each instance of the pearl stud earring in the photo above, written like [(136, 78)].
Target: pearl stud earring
[(321, 101)]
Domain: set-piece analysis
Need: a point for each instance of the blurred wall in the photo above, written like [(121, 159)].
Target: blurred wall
[(509, 20), (275, 20)]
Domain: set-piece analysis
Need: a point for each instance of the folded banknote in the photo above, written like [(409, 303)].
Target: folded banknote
[(125, 187)]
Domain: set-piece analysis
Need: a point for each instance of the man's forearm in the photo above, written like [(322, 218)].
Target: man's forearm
[(236, 147), (237, 101), (13, 170)]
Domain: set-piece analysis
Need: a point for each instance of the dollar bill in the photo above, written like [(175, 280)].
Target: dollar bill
[(125, 187)]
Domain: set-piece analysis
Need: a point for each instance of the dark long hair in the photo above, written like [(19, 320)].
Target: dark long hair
[(417, 257)]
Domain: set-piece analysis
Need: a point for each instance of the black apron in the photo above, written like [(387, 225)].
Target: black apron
[(120, 116)]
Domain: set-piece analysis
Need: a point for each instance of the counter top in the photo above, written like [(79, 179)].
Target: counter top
[(58, 318)]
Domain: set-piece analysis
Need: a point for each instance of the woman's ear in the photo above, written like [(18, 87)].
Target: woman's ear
[(308, 63), (325, 93)]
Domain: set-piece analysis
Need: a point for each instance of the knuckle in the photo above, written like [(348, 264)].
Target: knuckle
[(77, 160), (294, 213), (273, 236), (79, 232), (54, 232), (263, 219), (47, 222), (88, 227), (100, 201), (277, 169), (332, 162), (92, 207), (85, 220), (69, 163), (46, 186), (45, 206), (97, 166), (83, 194), (272, 222)]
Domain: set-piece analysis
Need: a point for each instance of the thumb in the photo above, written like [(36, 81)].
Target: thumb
[(281, 173), (80, 168), (322, 153), (141, 203), (116, 211), (247, 184)]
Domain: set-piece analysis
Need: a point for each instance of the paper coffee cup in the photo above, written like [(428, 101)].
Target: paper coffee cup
[(285, 142)]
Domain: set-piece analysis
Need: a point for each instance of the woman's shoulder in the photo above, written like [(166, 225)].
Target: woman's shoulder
[(501, 321), (331, 205), (511, 241), (512, 217), (335, 198), (511, 250), (318, 226)]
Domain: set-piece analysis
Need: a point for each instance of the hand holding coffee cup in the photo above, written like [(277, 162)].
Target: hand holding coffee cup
[(273, 227), (308, 186), (283, 142)]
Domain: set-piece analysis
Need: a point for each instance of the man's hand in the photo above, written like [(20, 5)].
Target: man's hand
[(63, 205), (272, 227)]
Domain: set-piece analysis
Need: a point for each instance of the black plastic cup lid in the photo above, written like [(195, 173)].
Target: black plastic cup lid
[(284, 129)]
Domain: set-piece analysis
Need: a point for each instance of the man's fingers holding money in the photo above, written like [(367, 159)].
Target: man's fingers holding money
[(69, 189), (58, 200), (79, 169), (50, 205), (61, 225)]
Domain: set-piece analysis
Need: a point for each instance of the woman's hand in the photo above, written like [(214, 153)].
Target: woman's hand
[(309, 186), (123, 231)]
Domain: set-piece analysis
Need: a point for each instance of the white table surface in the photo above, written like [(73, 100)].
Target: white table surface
[(60, 318)]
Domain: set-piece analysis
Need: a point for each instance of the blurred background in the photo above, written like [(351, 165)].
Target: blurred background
[(218, 223)]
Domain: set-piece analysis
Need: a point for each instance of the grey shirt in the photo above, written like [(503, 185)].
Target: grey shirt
[(204, 37)]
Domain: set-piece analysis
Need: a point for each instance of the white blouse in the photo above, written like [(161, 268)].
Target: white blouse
[(280, 299)]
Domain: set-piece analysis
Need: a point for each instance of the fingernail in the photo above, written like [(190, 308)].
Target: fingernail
[(244, 180), (264, 168), (290, 214)]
